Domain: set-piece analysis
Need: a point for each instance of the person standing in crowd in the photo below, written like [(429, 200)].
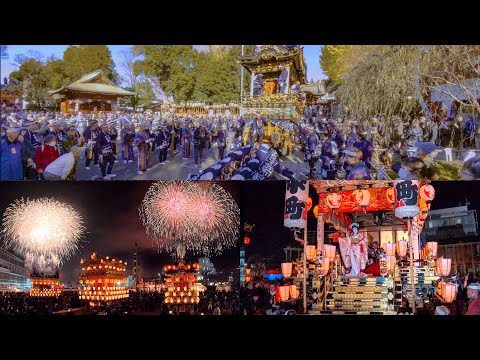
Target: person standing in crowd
[(469, 133), (222, 142), (271, 305), (359, 170), (258, 128), (11, 156), (198, 144), (128, 139), (414, 133), (399, 153), (71, 140), (142, 140), (327, 156), (113, 134), (476, 132), (186, 140), (366, 147), (105, 152), (413, 168), (258, 85), (46, 154), (58, 133), (90, 135), (163, 142), (30, 133), (311, 150), (28, 164), (473, 300)]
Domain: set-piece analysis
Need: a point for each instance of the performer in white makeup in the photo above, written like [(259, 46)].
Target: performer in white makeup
[(353, 248)]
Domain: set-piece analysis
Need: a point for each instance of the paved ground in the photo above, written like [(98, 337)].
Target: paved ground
[(178, 168)]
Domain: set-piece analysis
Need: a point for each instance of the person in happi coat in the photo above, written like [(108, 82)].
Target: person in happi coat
[(113, 134), (258, 126), (222, 141), (128, 139), (366, 147), (105, 152), (71, 140), (90, 136), (353, 248), (163, 143), (30, 133), (29, 150), (199, 137), (312, 143), (258, 84), (186, 140), (11, 156), (358, 171), (58, 132), (46, 154), (142, 139)]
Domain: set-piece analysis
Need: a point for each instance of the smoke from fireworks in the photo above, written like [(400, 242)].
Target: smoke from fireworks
[(202, 217), (45, 231)]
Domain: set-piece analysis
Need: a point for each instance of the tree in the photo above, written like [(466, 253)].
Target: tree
[(173, 65), (453, 70), (335, 60), (81, 60), (33, 78)]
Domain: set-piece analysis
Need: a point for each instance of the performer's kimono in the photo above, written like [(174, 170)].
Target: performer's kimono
[(142, 146), (354, 253), (127, 145)]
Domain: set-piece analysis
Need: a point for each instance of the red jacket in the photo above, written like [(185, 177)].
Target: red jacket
[(44, 156)]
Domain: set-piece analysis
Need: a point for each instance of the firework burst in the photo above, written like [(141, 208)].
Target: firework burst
[(45, 230), (201, 217)]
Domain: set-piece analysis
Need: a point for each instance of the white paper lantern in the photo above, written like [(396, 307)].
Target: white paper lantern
[(406, 198)]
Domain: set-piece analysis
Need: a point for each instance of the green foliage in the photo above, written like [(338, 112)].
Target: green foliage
[(81, 60)]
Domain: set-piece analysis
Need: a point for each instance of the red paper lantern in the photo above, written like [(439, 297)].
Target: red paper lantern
[(309, 203), (333, 200), (246, 240), (427, 193), (362, 197)]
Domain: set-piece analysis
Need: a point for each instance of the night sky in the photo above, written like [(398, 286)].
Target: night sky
[(264, 205), (110, 214)]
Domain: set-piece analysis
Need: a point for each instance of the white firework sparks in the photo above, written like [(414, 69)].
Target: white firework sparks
[(45, 230), (202, 217)]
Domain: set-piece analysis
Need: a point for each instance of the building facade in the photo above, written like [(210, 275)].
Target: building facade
[(451, 225), (206, 268), (13, 275)]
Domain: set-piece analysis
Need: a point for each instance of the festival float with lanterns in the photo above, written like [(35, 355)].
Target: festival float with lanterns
[(102, 280), (181, 284), (280, 110), (45, 285), (391, 213)]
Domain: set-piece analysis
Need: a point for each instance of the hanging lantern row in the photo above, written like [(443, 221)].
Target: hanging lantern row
[(287, 292), (444, 266)]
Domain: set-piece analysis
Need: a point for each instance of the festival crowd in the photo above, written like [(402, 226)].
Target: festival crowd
[(49, 146)]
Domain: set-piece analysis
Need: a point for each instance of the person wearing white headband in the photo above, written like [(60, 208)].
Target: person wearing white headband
[(473, 300), (442, 310)]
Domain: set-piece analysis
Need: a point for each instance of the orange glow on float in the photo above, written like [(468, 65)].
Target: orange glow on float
[(362, 198), (333, 200), (100, 283), (309, 203)]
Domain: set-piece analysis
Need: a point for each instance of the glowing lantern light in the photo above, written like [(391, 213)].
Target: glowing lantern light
[(444, 266), (284, 292), (311, 252), (402, 247), (247, 271), (433, 245), (287, 269), (390, 263), (362, 198), (294, 292), (450, 292), (329, 251), (389, 249), (315, 211), (391, 195), (325, 265), (333, 200), (246, 240), (309, 203)]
